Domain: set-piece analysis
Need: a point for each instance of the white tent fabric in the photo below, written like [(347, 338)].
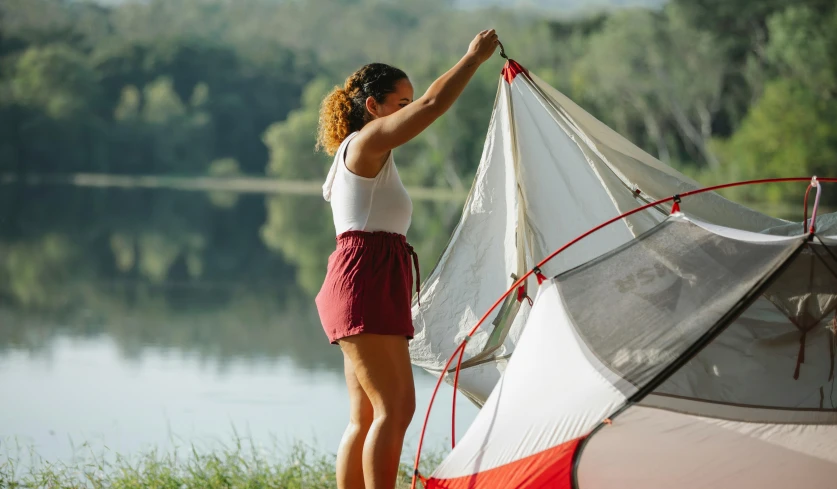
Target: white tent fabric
[(549, 172), (504, 449), (457, 292), (577, 408)]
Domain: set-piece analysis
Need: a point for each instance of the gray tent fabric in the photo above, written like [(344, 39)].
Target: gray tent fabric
[(780, 352), (667, 363), (639, 307), (549, 172)]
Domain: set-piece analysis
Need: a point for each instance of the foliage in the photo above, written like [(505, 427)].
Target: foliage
[(790, 130), (289, 144), (722, 89), (241, 464), (802, 46)]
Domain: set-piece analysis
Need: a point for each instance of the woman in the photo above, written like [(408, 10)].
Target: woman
[(364, 303)]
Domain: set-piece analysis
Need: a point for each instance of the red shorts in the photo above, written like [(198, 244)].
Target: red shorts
[(368, 286)]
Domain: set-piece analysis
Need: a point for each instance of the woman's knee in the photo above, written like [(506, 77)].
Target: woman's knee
[(399, 407)]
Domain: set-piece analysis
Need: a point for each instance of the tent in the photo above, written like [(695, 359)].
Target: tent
[(549, 171), (658, 365), (683, 347)]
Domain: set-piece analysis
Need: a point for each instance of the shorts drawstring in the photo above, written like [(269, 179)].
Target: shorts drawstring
[(364, 236), (413, 253)]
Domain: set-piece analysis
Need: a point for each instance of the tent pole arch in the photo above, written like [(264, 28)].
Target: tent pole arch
[(536, 270), (690, 353)]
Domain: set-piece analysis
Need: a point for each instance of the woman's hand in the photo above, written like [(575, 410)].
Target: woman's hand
[(484, 45)]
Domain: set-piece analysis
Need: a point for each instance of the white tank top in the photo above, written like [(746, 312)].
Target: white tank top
[(367, 204)]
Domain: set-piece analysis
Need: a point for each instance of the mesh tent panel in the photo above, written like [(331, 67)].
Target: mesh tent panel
[(643, 305)]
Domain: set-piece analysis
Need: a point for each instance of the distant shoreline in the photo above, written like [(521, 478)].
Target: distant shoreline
[(243, 184)]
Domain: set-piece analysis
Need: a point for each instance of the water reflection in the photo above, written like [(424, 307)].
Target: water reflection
[(135, 317), (174, 269), (250, 328)]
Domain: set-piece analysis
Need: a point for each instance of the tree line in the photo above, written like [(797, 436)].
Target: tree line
[(201, 86), (721, 89)]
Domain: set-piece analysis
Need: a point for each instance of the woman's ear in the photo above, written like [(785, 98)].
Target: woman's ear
[(372, 106)]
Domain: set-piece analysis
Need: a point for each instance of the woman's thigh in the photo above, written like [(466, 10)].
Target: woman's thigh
[(382, 367), (360, 407)]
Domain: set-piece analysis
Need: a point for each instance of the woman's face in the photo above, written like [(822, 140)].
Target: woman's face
[(393, 102)]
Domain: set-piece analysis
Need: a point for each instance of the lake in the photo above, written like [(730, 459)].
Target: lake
[(133, 319)]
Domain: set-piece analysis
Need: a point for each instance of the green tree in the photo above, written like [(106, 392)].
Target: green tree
[(299, 228), (180, 134), (50, 94), (656, 72), (242, 96), (156, 132), (619, 73), (55, 79), (741, 30), (291, 142), (802, 47), (789, 132)]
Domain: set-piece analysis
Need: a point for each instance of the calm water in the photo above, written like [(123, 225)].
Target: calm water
[(139, 319), (86, 390)]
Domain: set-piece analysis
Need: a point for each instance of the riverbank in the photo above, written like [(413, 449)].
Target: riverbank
[(240, 465)]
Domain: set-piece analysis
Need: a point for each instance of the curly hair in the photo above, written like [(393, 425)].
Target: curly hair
[(343, 111)]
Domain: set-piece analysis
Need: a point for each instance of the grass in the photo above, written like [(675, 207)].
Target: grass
[(236, 466)]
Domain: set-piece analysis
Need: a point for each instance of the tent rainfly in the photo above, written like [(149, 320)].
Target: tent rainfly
[(688, 349), (549, 172)]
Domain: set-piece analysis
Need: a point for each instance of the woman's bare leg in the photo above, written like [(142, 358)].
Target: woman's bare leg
[(350, 453), (382, 367)]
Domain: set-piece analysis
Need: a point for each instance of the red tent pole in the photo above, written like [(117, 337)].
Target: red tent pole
[(536, 268)]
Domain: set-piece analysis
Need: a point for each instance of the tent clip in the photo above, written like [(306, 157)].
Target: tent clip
[(502, 50), (521, 294), (676, 207), (417, 476), (539, 275)]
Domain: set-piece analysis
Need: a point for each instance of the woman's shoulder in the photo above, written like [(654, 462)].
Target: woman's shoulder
[(341, 151), (360, 162)]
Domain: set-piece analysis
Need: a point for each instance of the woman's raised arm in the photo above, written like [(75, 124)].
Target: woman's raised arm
[(383, 134)]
